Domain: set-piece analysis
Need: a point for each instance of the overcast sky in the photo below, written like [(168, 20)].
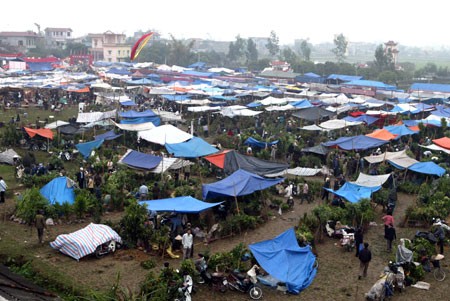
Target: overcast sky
[(411, 23)]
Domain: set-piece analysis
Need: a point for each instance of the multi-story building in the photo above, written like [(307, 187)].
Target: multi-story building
[(57, 37), (109, 46), (21, 40)]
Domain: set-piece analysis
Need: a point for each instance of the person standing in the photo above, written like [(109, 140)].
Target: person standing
[(388, 219), (3, 188), (439, 233), (359, 239), (187, 241), (390, 235), (365, 256), (143, 192), (187, 172), (81, 178), (305, 193), (40, 225), (156, 191), (325, 192)]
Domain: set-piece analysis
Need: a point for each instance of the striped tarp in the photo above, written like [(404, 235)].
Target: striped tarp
[(84, 241)]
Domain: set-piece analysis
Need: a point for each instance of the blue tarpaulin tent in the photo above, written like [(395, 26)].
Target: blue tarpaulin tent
[(239, 183), (429, 168), (155, 120), (360, 142), (59, 190), (363, 118), (256, 143), (86, 148), (182, 204), (353, 192), (135, 114), (400, 130), (193, 148), (140, 160), (286, 261), (111, 135)]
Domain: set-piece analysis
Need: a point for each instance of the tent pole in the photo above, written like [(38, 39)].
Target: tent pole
[(236, 200)]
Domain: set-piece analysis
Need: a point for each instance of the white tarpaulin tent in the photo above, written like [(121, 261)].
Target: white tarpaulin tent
[(370, 181), (8, 156), (313, 127), (95, 116), (56, 124), (398, 158), (298, 171), (273, 101), (165, 134), (203, 109), (338, 124), (435, 147), (135, 127)]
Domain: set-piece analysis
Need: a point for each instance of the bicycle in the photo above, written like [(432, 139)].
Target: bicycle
[(438, 272)]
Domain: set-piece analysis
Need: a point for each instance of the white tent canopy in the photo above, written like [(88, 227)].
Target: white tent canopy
[(338, 124), (164, 134), (56, 124), (370, 181), (313, 127), (95, 116), (398, 158), (135, 127)]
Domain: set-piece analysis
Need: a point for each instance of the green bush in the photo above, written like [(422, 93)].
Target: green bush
[(29, 203), (239, 223), (34, 180), (133, 224)]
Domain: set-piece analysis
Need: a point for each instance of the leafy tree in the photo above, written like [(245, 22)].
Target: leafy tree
[(252, 52), (157, 52), (340, 50), (259, 65), (387, 76), (305, 50), (76, 48), (383, 60), (180, 52), (236, 50), (133, 223), (273, 44), (288, 55)]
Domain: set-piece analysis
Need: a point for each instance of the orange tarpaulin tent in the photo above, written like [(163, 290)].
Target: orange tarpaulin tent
[(82, 90), (46, 133), (382, 134), (218, 159), (443, 142)]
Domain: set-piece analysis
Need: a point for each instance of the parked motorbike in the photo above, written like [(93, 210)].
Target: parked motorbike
[(219, 282), (106, 248), (348, 240), (245, 283), (65, 155), (337, 230)]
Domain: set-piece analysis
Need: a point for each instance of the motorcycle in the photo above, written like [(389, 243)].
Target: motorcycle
[(106, 248), (336, 230), (348, 240), (245, 283), (65, 155)]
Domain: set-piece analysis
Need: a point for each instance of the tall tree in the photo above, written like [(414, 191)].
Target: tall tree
[(181, 53), (288, 55), (305, 50), (236, 50), (340, 49), (383, 59), (273, 44), (252, 52)]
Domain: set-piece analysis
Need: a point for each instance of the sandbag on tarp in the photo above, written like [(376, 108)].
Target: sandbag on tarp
[(285, 260), (8, 156), (84, 241), (239, 183), (59, 190), (182, 204)]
